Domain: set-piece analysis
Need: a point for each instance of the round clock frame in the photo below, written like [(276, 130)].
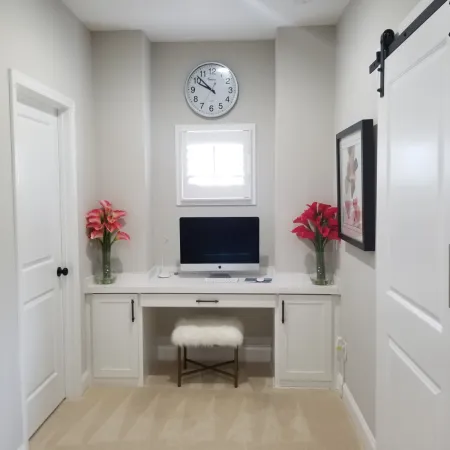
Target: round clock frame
[(211, 90)]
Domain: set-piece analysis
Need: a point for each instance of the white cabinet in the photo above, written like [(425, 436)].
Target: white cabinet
[(115, 336), (304, 340)]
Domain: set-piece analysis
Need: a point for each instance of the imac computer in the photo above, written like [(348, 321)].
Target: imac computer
[(219, 244)]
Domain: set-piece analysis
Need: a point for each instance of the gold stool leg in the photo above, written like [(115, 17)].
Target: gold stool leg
[(236, 367), (179, 366)]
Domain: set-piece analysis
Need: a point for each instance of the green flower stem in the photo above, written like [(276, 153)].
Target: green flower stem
[(106, 257), (320, 266)]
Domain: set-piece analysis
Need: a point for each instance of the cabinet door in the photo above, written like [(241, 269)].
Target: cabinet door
[(115, 336), (304, 348)]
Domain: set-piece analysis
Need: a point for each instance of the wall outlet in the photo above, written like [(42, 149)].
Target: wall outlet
[(341, 348)]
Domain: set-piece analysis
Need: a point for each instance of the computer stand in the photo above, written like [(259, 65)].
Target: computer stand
[(219, 275)]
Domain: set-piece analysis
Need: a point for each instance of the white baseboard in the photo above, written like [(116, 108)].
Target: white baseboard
[(248, 353), (360, 423), (23, 447), (85, 381)]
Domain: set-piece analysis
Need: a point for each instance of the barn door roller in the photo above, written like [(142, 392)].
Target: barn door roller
[(390, 41)]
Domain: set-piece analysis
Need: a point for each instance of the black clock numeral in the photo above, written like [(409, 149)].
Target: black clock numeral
[(211, 108), (202, 105), (220, 106), (228, 81), (195, 80), (230, 90), (227, 99), (203, 73), (212, 70), (192, 89), (195, 99)]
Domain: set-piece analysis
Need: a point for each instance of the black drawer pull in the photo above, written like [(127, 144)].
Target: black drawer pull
[(207, 301), (282, 311), (132, 311)]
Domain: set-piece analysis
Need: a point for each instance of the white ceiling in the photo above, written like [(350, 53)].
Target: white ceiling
[(205, 20)]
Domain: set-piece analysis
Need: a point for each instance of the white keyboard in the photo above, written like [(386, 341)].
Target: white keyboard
[(221, 280)]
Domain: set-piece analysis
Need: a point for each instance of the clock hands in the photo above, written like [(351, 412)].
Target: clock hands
[(209, 93), (203, 84)]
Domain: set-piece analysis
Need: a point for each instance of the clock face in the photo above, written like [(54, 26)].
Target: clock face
[(211, 89)]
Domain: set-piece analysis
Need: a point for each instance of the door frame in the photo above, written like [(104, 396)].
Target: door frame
[(25, 89)]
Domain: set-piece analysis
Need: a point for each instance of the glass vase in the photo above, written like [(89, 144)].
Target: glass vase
[(322, 275), (105, 276)]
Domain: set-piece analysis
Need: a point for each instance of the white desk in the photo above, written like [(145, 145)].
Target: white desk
[(122, 322)]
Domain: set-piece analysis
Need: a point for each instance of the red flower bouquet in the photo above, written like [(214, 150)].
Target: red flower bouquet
[(104, 225), (319, 224)]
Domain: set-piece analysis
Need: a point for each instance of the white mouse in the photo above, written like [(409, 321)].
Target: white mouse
[(260, 280)]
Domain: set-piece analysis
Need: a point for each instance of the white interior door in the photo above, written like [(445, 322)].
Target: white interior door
[(39, 255), (413, 404)]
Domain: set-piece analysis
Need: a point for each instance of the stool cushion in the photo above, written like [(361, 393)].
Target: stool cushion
[(208, 332)]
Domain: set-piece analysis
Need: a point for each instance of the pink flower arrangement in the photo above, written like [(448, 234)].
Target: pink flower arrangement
[(105, 224), (319, 224)]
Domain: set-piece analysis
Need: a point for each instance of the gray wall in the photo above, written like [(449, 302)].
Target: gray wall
[(258, 324), (356, 98), (304, 149), (43, 40), (121, 76), (253, 65)]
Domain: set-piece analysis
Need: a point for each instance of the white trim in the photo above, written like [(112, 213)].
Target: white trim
[(23, 447), (339, 383), (363, 430), (24, 88), (115, 382), (180, 129), (86, 381)]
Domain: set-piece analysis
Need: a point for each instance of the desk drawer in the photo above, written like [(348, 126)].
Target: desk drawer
[(208, 300)]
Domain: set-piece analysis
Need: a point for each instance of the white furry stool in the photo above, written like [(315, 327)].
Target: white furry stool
[(208, 332)]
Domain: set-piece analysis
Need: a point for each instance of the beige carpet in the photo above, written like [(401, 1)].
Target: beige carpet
[(206, 413)]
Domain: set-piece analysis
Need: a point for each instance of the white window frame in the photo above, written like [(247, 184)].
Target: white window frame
[(179, 130)]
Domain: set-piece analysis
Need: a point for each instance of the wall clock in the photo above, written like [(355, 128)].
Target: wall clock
[(211, 90)]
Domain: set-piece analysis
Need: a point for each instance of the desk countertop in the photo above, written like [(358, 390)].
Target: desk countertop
[(149, 283)]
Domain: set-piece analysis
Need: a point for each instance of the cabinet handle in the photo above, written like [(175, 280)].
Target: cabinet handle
[(207, 301), (282, 311), (132, 311)]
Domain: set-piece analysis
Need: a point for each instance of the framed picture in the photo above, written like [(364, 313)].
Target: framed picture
[(356, 189)]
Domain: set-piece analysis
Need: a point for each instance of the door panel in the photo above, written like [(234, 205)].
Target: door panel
[(419, 430), (413, 380), (304, 340), (415, 182), (115, 336), (39, 255), (39, 336)]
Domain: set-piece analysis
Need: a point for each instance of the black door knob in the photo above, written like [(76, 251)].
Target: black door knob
[(60, 271)]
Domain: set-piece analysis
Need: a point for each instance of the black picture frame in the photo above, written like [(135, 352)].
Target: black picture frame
[(368, 174)]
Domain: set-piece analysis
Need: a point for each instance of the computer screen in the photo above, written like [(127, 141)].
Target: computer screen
[(219, 243)]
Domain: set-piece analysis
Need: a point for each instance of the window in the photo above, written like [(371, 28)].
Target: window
[(215, 165)]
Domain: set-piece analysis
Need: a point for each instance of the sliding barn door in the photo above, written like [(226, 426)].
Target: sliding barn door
[(413, 390)]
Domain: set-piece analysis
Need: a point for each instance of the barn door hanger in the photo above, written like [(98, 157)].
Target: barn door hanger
[(387, 38), (390, 42)]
